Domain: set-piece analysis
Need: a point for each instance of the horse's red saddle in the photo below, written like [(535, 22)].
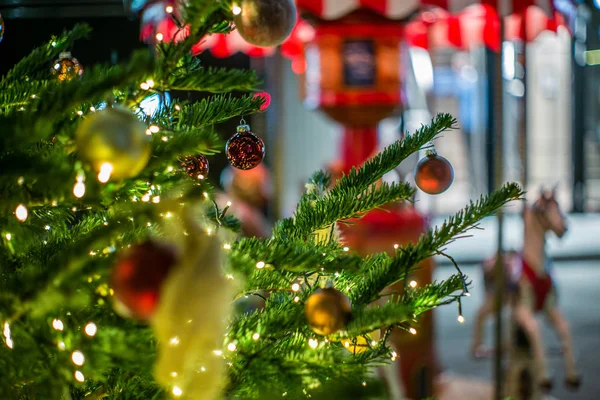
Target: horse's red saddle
[(542, 285)]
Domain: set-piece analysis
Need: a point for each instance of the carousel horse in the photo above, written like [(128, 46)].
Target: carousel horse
[(530, 289)]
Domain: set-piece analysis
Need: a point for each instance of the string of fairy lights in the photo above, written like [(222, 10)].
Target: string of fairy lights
[(90, 329)]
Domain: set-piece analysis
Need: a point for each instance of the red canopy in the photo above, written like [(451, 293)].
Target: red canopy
[(401, 9), (477, 25), (453, 23)]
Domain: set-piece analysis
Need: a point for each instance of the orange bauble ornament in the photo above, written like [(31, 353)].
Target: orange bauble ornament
[(434, 174)]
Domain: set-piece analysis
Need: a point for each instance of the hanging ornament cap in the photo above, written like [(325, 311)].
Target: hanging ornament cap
[(243, 128)]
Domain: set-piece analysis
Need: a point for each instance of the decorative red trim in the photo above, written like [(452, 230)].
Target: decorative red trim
[(370, 30), (333, 98)]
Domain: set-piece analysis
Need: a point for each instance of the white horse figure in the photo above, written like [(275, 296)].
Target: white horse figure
[(531, 289)]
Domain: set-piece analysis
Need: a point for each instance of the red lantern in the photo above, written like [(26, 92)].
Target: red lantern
[(353, 76)]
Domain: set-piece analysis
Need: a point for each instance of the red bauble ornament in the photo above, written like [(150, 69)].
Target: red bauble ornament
[(195, 166), (139, 275), (434, 174), (245, 150)]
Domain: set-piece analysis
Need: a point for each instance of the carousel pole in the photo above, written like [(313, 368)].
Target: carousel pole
[(503, 8), (522, 139)]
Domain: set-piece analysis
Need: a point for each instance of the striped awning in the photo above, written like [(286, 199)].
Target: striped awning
[(477, 25), (401, 9)]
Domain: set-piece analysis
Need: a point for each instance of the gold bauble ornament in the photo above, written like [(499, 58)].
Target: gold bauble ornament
[(265, 23), (66, 67), (114, 139), (327, 311), (360, 344)]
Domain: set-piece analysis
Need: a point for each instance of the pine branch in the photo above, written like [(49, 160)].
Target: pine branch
[(355, 193), (215, 109), (212, 80), (275, 254), (392, 156), (312, 215), (38, 61), (383, 275), (33, 124)]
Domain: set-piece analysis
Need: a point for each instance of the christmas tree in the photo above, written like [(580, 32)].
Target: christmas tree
[(122, 278)]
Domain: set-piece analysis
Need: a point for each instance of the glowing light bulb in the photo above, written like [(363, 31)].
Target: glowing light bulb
[(21, 213), (313, 343), (227, 246), (146, 198), (174, 341), (80, 113), (58, 324), (296, 299), (468, 294), (260, 264), (7, 335), (396, 246), (168, 9), (154, 128), (236, 10), (228, 204), (61, 345), (256, 336), (79, 376), (91, 329), (150, 82), (413, 331), (78, 358), (105, 170), (8, 236), (413, 284), (295, 287), (177, 391), (461, 319), (231, 347), (218, 352), (159, 37), (346, 248), (79, 189), (156, 199), (144, 86)]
